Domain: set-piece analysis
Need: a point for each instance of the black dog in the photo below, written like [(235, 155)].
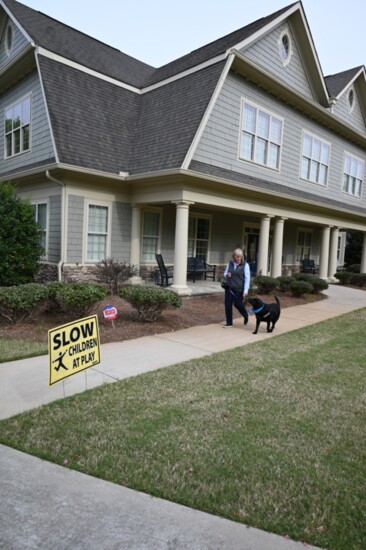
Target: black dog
[(265, 313)]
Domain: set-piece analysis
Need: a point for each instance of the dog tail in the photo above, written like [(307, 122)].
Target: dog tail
[(277, 300)]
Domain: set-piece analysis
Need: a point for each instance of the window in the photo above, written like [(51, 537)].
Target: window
[(303, 248), (9, 38), (97, 240), (40, 215), (261, 137), (351, 99), (353, 172), (198, 236), (315, 159), (17, 128), (150, 235)]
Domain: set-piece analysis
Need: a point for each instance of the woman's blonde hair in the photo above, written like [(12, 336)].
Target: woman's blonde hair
[(238, 252)]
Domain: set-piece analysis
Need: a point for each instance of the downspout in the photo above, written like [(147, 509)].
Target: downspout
[(63, 224)]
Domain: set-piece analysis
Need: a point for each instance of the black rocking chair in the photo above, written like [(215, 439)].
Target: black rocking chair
[(166, 273)]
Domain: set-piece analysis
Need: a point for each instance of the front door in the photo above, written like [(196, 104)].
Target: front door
[(252, 252)]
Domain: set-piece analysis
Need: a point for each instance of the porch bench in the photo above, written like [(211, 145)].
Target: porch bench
[(198, 266), (308, 266)]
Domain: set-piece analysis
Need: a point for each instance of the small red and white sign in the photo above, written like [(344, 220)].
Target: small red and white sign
[(110, 313)]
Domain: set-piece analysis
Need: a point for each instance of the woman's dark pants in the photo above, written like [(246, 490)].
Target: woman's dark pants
[(234, 298)]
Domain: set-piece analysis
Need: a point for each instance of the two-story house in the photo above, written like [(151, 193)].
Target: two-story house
[(240, 142)]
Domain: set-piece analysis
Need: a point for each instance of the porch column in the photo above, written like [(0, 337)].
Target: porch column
[(324, 253), (262, 266), (135, 243), (180, 248), (332, 267), (276, 270), (363, 255)]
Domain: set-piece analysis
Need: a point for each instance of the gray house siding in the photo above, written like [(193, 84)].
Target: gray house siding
[(121, 231), (41, 147), (219, 144), (75, 229), (19, 43), (266, 53), (353, 118), (54, 229)]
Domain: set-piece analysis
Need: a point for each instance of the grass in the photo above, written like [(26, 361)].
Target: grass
[(11, 350), (271, 434)]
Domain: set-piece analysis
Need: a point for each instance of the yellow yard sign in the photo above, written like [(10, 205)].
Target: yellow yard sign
[(72, 348)]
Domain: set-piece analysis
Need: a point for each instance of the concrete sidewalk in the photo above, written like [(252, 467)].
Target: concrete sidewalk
[(47, 506)]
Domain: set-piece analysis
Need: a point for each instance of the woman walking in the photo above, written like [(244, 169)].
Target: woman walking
[(237, 276)]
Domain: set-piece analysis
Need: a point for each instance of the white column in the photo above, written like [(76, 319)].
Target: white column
[(180, 248), (363, 255), (276, 270), (324, 253), (332, 266), (135, 242), (262, 263)]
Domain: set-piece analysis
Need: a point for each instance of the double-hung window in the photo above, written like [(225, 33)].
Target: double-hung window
[(40, 215), (315, 159), (303, 248), (17, 128), (198, 235), (150, 235), (97, 239), (261, 136), (353, 174)]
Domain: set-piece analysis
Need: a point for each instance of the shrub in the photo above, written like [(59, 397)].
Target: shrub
[(318, 284), (22, 301), (150, 301), (354, 268), (284, 282), (343, 277), (111, 272), (298, 288), (77, 300), (265, 284), (308, 277), (358, 279)]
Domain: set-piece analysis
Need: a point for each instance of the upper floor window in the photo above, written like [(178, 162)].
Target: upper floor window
[(303, 247), (97, 239), (351, 99), (198, 235), (9, 38), (40, 215), (261, 136), (150, 235), (315, 159), (17, 128), (353, 173), (285, 47)]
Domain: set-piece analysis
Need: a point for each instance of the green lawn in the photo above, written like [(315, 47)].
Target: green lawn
[(272, 434), (11, 350)]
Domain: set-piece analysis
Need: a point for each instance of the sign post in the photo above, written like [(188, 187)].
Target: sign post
[(73, 348)]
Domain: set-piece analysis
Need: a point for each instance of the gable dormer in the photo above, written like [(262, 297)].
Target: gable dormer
[(285, 49), (12, 40), (347, 91)]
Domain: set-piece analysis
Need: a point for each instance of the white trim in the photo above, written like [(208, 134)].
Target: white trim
[(314, 136), (46, 108), (37, 202), (83, 69), (350, 83), (358, 159), (155, 210), (285, 61), (353, 91), (204, 216), (6, 108), (206, 116)]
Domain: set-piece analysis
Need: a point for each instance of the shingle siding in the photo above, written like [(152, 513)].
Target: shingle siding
[(266, 53), (219, 144), (19, 43), (121, 231), (75, 229), (41, 142)]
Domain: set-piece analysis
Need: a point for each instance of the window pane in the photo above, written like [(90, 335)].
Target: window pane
[(345, 182), (26, 111), (306, 148), (314, 170), (263, 125), (305, 168), (316, 149), (9, 140), (325, 154), (202, 228), (98, 219), (42, 215), (323, 174), (151, 223), (249, 118), (149, 248), (360, 170), (16, 142), (276, 130), (191, 228), (347, 164), (26, 138), (17, 111), (260, 151), (274, 155), (247, 146), (9, 120), (201, 248), (96, 247)]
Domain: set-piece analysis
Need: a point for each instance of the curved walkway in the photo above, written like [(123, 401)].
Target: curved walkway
[(43, 505)]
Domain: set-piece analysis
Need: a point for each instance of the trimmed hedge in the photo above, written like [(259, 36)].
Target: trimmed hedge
[(77, 300), (358, 279), (150, 301), (299, 288), (284, 282), (23, 301), (264, 284), (343, 277)]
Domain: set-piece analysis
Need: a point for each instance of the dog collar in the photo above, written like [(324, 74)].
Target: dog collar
[(257, 310)]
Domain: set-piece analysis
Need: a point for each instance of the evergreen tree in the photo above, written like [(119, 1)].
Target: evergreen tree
[(20, 248)]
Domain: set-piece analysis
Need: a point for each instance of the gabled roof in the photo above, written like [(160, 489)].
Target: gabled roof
[(78, 47), (337, 83)]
